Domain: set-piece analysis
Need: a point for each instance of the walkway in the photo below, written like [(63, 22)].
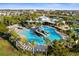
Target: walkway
[(27, 47)]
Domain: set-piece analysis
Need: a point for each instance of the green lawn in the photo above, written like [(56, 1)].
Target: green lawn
[(6, 49)]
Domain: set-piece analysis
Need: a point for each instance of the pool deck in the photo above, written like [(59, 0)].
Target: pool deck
[(37, 48), (64, 36), (17, 30), (28, 47)]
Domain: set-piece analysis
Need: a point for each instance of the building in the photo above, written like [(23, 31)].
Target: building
[(43, 19)]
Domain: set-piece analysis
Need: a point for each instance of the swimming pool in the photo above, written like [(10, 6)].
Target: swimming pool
[(31, 36)]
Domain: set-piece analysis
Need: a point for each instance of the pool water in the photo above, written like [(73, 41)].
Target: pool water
[(31, 36)]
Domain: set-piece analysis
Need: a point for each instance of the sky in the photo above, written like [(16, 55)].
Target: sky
[(55, 6)]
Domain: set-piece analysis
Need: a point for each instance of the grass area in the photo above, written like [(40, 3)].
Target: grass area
[(6, 49)]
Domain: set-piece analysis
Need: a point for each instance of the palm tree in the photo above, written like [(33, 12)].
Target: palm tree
[(47, 41), (33, 45)]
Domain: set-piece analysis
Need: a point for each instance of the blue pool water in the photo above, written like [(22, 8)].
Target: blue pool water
[(30, 35)]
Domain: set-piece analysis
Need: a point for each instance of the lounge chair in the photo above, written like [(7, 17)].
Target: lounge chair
[(43, 50), (37, 49)]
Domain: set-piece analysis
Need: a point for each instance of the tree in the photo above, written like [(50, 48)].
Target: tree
[(58, 49), (33, 45), (14, 34), (3, 28), (47, 41), (75, 48)]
